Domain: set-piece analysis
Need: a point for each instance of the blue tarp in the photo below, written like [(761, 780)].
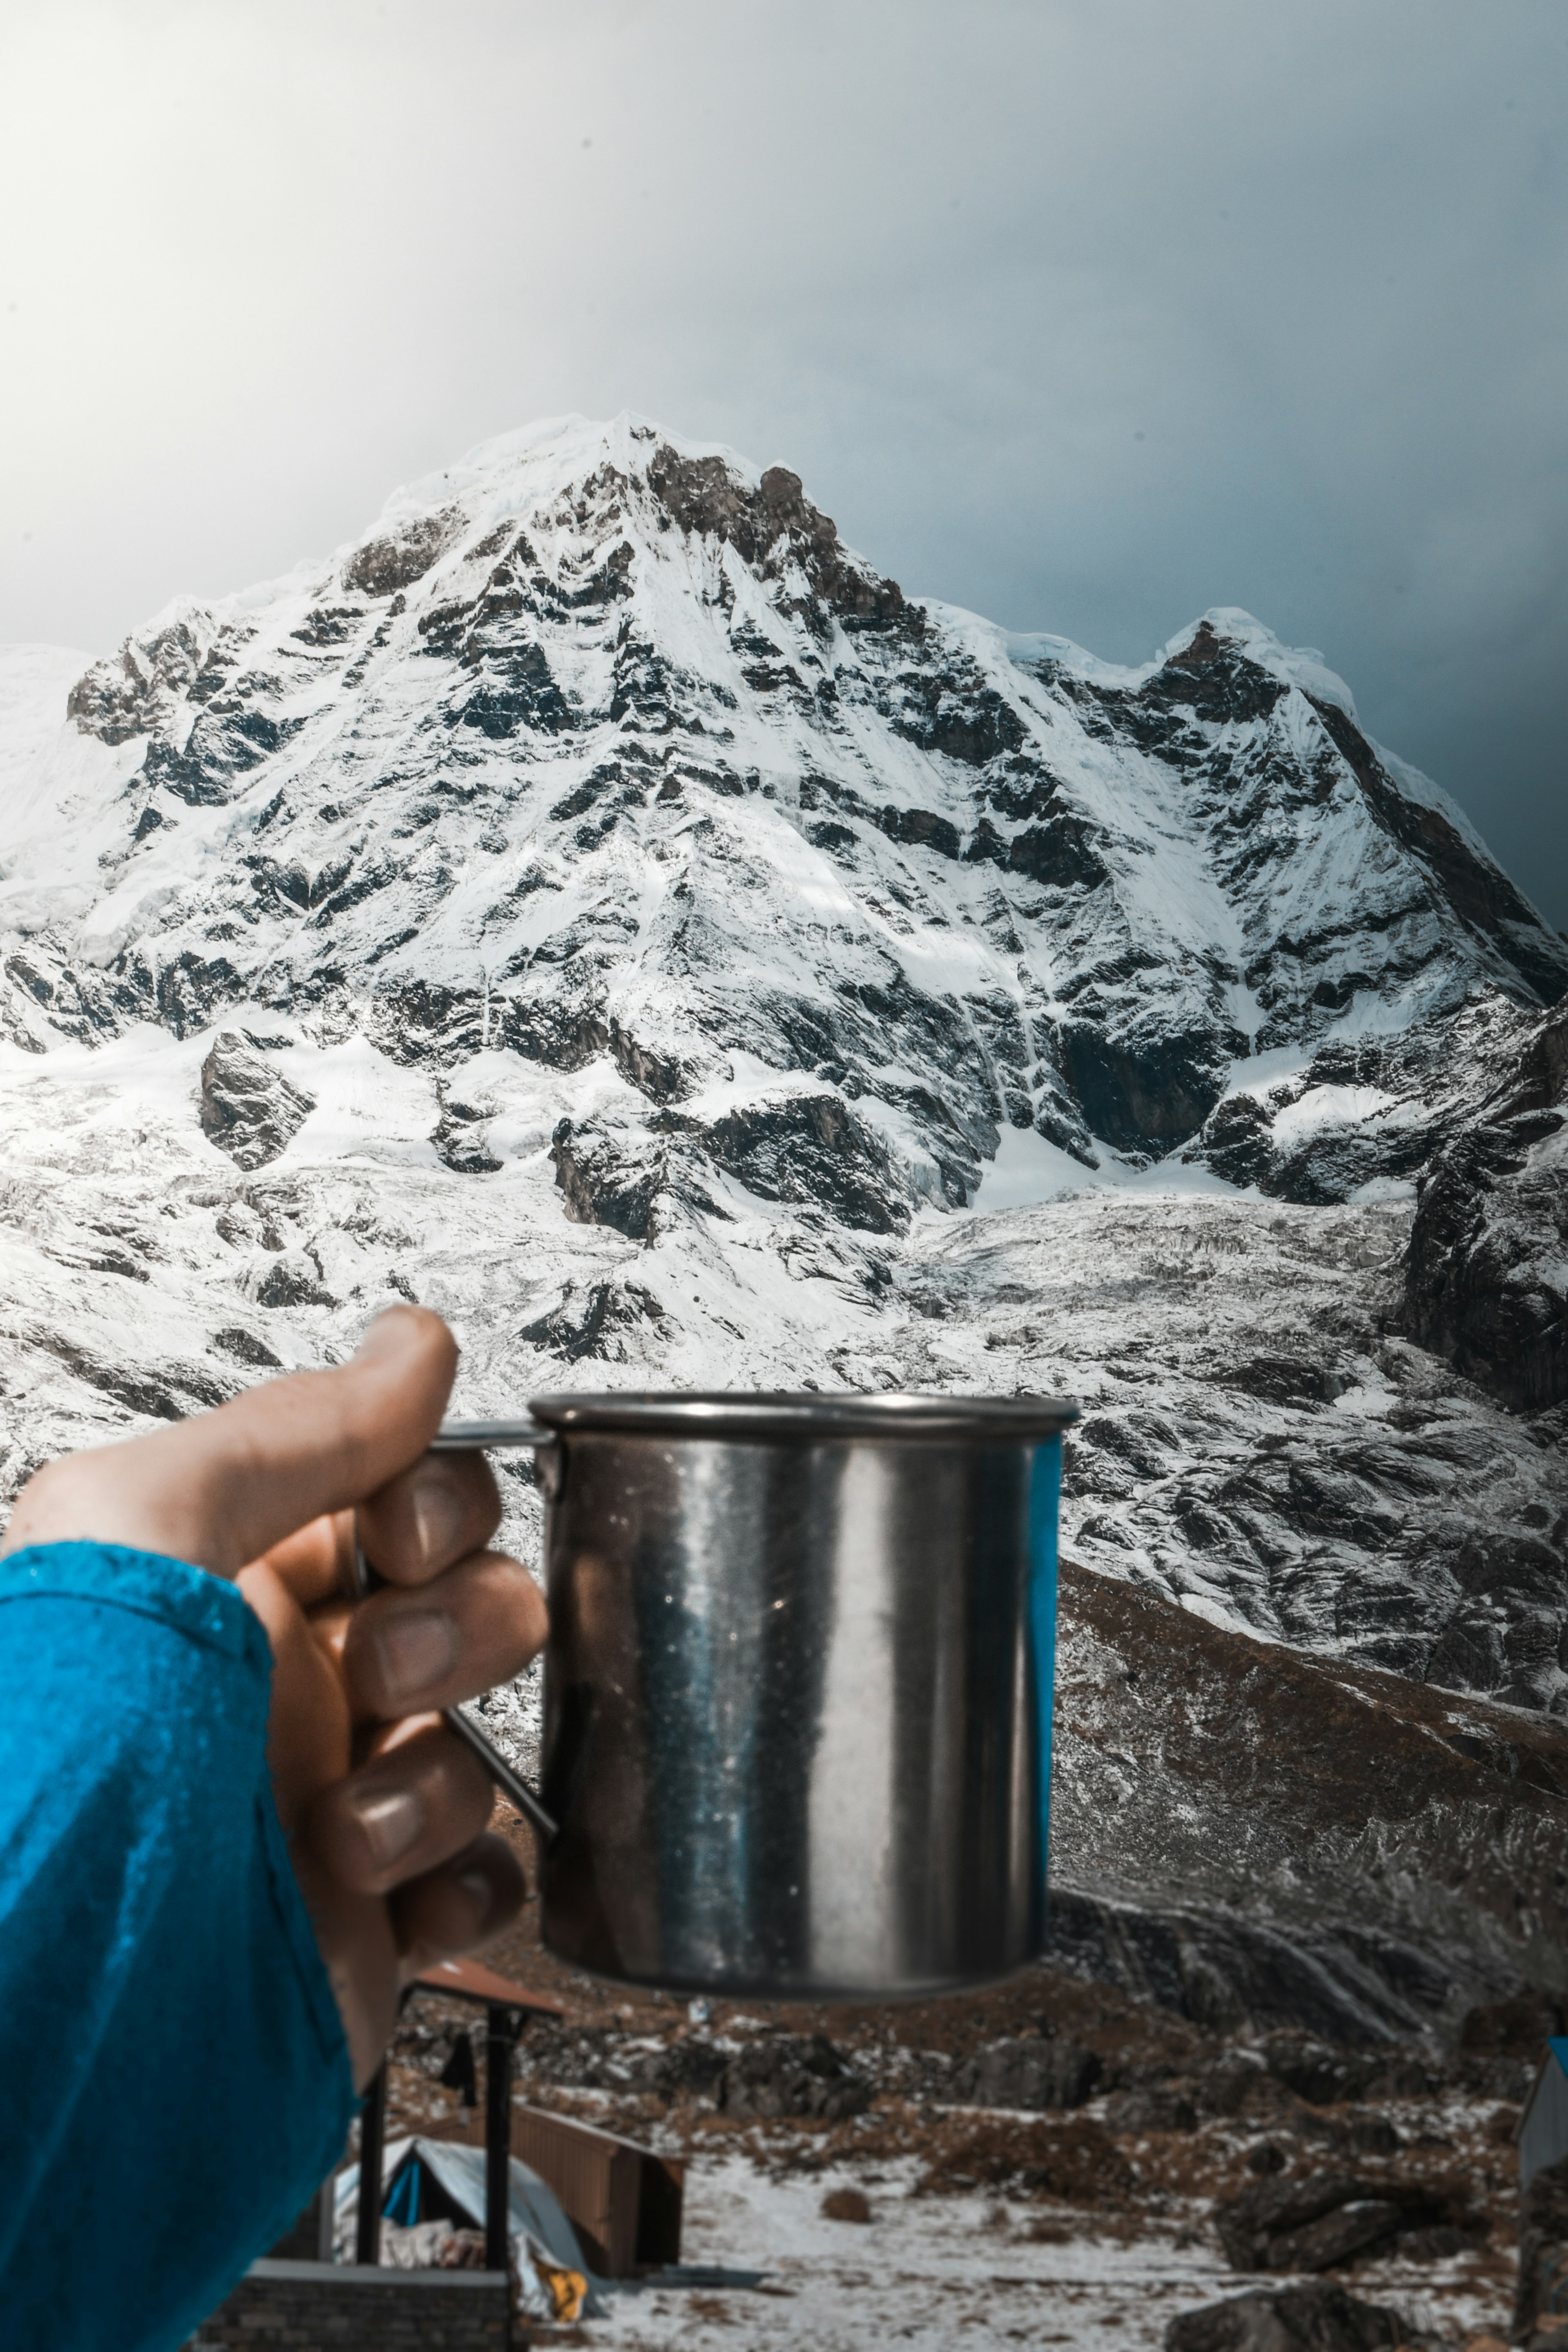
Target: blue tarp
[(534, 2212)]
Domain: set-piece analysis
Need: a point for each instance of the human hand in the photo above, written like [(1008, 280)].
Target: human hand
[(384, 1808)]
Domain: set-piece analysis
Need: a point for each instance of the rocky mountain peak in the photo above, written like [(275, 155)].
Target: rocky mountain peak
[(602, 748), (599, 904)]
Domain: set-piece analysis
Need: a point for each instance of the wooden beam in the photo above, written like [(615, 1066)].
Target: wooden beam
[(499, 2038), (371, 2139)]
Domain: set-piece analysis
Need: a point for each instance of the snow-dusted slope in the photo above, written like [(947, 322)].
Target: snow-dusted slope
[(1487, 1271), (603, 751), (598, 904)]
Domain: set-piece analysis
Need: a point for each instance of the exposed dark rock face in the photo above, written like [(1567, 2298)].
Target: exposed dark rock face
[(1226, 1969), (1145, 1093), (1158, 2107), (1334, 2219), (1031, 2074), (1487, 1271), (663, 1078), (382, 566), (246, 1348), (606, 1179), (148, 1394), (566, 1031), (1481, 895), (248, 1107), (1324, 1855), (294, 1280), (792, 2075), (1362, 1110), (612, 1323), (1542, 2247), (459, 1137), (770, 526), (123, 697), (806, 1148)]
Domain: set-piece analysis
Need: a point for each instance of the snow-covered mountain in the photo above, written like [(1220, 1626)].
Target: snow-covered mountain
[(603, 753), (599, 904)]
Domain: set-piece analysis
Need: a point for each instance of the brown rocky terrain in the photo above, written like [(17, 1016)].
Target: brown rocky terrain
[(1295, 1839), (1252, 2052)]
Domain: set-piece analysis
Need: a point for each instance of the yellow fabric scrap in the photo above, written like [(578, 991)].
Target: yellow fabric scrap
[(568, 2290)]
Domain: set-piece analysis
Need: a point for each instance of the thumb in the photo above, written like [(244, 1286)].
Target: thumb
[(223, 1487)]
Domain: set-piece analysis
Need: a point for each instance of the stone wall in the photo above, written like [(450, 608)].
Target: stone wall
[(328, 2308)]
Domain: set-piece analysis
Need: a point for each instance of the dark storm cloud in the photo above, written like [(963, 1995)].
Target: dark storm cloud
[(1085, 315)]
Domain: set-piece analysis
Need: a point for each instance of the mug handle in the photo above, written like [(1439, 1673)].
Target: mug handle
[(467, 1437)]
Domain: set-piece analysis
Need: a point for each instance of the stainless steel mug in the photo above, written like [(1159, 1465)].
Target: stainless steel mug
[(797, 1696)]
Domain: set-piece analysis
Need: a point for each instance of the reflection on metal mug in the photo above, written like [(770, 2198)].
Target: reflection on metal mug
[(797, 1696)]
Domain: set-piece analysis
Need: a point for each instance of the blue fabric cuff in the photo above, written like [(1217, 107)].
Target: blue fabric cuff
[(177, 2081), (206, 1608)]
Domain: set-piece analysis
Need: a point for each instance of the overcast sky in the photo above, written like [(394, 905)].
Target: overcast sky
[(1086, 313)]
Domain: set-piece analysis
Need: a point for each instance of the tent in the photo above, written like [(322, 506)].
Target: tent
[(428, 2179), (1544, 2126)]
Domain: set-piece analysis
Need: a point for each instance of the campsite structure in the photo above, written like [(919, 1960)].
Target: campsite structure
[(507, 2008), (1544, 2126)]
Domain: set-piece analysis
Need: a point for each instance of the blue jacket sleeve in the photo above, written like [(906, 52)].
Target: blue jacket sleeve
[(176, 2082)]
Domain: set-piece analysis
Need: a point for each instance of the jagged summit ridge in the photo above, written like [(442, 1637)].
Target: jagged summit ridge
[(602, 749)]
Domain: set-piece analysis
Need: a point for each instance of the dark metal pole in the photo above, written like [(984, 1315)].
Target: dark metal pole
[(499, 2042), (371, 2139)]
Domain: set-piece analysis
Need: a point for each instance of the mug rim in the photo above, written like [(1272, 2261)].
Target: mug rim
[(806, 1415)]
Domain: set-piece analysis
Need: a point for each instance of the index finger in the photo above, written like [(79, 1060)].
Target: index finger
[(223, 1487)]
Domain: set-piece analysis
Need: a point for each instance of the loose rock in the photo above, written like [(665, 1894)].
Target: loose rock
[(1030, 2074), (1316, 2318), (1327, 2219), (792, 2075)]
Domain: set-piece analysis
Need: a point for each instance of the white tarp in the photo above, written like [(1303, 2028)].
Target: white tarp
[(535, 2221)]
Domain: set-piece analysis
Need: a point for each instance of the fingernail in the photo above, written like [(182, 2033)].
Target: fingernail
[(438, 1522), (414, 1648), (393, 1820), (480, 1887)]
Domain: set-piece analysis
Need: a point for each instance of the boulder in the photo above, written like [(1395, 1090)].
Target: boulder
[(1161, 2107), (792, 2074), (1029, 2074), (1318, 2072), (1369, 2133), (1542, 2245), (1329, 2219), (693, 2068), (1313, 2318)]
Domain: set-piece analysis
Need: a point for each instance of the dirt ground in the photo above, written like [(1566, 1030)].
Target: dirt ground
[(909, 2209)]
